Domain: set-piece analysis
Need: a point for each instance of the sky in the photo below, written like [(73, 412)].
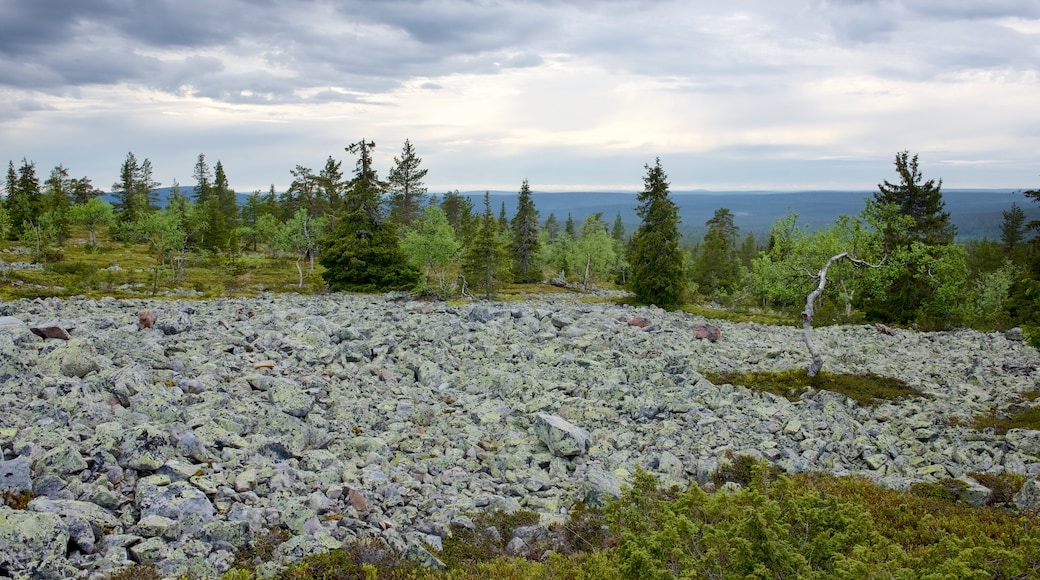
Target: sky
[(570, 95)]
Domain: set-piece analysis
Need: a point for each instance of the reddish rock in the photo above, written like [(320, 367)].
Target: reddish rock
[(145, 319), (707, 331), (639, 322), (50, 332), (358, 501)]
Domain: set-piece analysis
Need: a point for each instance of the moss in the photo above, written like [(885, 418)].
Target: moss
[(1003, 486), (16, 500), (865, 389), (487, 540), (1017, 417)]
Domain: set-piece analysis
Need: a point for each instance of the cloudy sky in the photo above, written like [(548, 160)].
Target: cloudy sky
[(730, 94)]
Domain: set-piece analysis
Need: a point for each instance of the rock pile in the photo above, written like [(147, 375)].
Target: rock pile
[(172, 440)]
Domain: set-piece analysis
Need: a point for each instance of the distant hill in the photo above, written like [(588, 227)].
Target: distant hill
[(977, 213)]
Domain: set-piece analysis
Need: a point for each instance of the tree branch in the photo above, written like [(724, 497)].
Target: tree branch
[(810, 308)]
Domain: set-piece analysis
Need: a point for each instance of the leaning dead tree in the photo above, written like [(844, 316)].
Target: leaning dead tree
[(810, 308)]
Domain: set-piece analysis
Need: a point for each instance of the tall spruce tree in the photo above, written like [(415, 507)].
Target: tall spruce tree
[(486, 263), (717, 269), (407, 191), (916, 234), (658, 272), (24, 202), (920, 200), (525, 242), (362, 253), (57, 201)]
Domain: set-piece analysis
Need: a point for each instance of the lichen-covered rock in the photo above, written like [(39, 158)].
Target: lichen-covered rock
[(177, 324), (76, 358), (33, 545), (1028, 498), (563, 438), (15, 475), (290, 399), (600, 487), (180, 501)]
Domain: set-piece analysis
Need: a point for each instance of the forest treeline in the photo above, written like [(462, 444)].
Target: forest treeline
[(373, 234)]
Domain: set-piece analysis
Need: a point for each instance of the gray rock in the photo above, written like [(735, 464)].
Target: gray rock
[(1015, 334), (290, 399), (423, 557), (600, 487), (1028, 498), (563, 438), (179, 501), (76, 358), (176, 324), (15, 475), (33, 545)]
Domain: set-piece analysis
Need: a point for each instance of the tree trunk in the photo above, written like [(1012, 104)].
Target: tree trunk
[(300, 270), (810, 309)]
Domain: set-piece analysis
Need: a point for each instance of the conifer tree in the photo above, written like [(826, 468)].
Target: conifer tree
[(552, 228), (486, 264), (362, 253), (525, 243), (24, 202), (330, 186), (658, 275), (407, 191), (717, 270), (916, 232), (459, 210), (920, 201), (57, 201)]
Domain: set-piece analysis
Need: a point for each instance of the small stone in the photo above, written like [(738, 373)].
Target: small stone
[(876, 461), (50, 331), (15, 475)]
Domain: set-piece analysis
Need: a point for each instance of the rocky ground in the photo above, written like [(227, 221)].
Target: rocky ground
[(336, 417)]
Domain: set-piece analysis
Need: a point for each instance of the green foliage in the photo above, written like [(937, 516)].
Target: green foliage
[(865, 389), (362, 252), (406, 188), (487, 539), (594, 251), (486, 263), (364, 255), (717, 269), (1003, 485), (1023, 416), (92, 215), (785, 274), (525, 244), (431, 246), (658, 268)]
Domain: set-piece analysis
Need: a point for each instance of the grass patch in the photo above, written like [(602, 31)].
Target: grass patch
[(1016, 418), (754, 316), (865, 389)]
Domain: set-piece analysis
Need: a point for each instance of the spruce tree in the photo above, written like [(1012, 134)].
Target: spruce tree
[(717, 270), (406, 187), (658, 275), (525, 243), (486, 263), (24, 202), (921, 201), (362, 252), (552, 228), (916, 232)]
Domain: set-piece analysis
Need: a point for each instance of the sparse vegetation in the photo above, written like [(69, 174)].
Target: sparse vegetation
[(865, 389)]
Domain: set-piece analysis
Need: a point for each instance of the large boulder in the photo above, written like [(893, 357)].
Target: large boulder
[(33, 545), (563, 438)]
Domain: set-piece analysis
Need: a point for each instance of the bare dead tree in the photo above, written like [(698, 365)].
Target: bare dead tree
[(810, 307)]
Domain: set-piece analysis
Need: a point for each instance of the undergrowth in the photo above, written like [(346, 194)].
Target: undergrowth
[(865, 389), (767, 525)]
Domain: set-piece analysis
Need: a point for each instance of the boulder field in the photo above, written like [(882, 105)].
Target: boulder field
[(169, 433)]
